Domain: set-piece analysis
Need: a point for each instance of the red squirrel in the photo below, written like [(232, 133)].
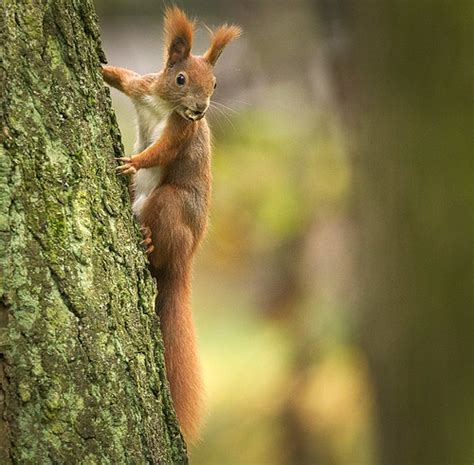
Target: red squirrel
[(171, 189)]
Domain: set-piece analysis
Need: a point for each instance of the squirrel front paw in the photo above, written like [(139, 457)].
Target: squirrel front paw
[(129, 167)]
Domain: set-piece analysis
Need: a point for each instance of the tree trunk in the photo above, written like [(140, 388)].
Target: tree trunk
[(415, 191), (82, 377)]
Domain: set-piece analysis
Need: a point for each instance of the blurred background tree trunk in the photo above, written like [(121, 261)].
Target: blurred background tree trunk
[(414, 195), (82, 375)]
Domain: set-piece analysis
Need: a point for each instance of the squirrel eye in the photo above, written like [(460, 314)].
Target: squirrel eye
[(180, 79), (215, 84)]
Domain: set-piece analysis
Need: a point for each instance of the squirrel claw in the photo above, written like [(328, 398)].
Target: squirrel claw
[(126, 169)]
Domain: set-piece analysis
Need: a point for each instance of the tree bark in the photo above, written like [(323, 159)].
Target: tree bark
[(415, 189), (82, 377)]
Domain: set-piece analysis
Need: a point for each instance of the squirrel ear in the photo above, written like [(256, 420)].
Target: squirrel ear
[(178, 35), (219, 39)]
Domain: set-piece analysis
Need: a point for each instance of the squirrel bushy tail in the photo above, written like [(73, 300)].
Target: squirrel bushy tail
[(173, 305)]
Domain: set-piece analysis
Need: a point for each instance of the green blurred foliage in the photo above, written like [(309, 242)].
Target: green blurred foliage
[(273, 178)]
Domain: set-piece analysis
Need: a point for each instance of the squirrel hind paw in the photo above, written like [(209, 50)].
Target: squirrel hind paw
[(147, 241)]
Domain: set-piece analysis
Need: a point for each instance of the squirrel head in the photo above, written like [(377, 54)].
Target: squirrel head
[(188, 81)]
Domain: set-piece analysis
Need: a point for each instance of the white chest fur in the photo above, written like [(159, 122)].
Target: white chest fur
[(152, 114)]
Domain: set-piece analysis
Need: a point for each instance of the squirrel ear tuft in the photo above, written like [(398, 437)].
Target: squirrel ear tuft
[(178, 35), (219, 39)]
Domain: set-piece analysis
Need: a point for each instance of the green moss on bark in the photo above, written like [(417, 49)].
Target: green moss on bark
[(82, 370)]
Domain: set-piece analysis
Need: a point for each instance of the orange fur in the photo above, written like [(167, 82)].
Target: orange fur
[(173, 206), (220, 38), (179, 31), (122, 79)]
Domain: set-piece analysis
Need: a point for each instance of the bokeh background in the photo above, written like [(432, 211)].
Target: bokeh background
[(333, 295)]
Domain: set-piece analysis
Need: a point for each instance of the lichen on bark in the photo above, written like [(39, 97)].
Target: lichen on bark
[(82, 377)]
